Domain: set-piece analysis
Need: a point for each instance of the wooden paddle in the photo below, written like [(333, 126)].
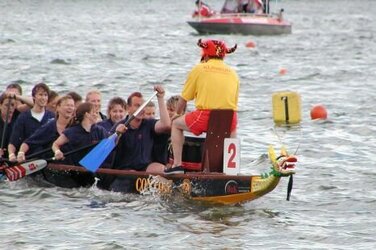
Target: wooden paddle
[(15, 171), (97, 155), (21, 170)]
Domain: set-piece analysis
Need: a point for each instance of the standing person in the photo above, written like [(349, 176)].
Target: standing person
[(7, 120), (43, 137), (257, 7), (84, 131), (29, 121), (134, 149), (250, 6), (203, 10), (213, 85), (95, 98), (116, 110), (243, 6)]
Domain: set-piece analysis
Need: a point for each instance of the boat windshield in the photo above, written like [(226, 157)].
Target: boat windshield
[(230, 6), (254, 6)]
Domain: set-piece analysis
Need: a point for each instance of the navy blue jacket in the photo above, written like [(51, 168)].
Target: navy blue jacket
[(26, 125), (79, 137), (43, 137), (135, 146), (107, 124)]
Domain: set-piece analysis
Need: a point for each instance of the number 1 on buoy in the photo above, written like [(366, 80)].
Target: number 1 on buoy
[(231, 156)]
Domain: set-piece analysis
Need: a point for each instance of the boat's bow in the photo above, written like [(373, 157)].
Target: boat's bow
[(282, 166)]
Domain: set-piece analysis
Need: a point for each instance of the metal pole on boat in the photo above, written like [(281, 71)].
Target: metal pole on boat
[(276, 6), (266, 6), (199, 9)]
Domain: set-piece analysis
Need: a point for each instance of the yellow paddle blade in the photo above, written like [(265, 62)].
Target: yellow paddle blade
[(284, 151), (272, 155)]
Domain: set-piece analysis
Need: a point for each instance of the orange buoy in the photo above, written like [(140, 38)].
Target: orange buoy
[(282, 71), (250, 44), (319, 112)]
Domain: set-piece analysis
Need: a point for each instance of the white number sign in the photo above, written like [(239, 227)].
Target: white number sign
[(231, 156)]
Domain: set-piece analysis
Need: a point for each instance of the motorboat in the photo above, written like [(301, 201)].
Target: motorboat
[(230, 21)]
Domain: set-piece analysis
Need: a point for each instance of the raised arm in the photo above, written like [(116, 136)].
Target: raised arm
[(26, 102), (164, 123)]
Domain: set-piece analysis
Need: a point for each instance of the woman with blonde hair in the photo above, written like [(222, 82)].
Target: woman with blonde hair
[(84, 131), (43, 137)]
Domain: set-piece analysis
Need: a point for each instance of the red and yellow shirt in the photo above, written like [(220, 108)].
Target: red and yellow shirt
[(213, 85)]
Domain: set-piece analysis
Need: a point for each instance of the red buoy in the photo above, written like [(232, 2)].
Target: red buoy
[(319, 112), (250, 44), (282, 71)]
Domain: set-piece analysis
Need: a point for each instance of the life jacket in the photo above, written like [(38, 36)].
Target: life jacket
[(205, 11)]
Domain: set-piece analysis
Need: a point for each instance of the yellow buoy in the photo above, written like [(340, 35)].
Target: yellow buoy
[(286, 107)]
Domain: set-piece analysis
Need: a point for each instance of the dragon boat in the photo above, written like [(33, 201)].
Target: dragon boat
[(201, 186), (214, 180)]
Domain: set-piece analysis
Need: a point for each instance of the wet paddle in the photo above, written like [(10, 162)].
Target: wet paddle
[(15, 171), (97, 155), (21, 170)]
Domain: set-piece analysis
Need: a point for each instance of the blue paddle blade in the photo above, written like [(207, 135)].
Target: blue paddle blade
[(97, 155)]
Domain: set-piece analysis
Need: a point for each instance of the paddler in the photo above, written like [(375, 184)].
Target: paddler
[(135, 146)]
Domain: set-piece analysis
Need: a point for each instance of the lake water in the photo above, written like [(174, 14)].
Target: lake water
[(123, 46)]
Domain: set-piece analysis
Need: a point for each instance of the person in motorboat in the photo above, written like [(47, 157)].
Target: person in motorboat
[(116, 111), (84, 131), (280, 15), (43, 137), (250, 6), (243, 6), (29, 121), (213, 85), (257, 7), (203, 10)]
